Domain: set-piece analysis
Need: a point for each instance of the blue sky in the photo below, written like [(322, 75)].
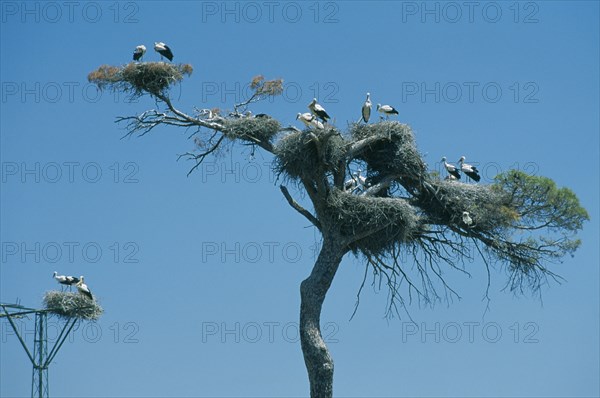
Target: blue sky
[(199, 276)]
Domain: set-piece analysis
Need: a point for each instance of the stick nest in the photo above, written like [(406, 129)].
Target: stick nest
[(394, 219), (138, 78), (255, 129), (72, 305), (395, 155), (489, 207), (300, 154)]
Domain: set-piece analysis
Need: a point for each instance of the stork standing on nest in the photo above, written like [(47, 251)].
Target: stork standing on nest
[(163, 50), (139, 52), (469, 170), (309, 120), (451, 169), (357, 183), (387, 110), (366, 109), (65, 280), (84, 289), (318, 110)]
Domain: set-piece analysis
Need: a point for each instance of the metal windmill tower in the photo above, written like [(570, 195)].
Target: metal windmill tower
[(41, 358)]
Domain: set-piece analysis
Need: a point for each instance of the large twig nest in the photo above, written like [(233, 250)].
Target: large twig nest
[(299, 154), (394, 220), (72, 305), (140, 77), (395, 154), (252, 129), (489, 207)]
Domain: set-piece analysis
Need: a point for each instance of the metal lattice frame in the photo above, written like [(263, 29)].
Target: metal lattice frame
[(41, 358)]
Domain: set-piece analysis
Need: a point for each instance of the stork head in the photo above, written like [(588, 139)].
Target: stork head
[(298, 116), (81, 279), (55, 273), (465, 213), (443, 159), (378, 106), (368, 95), (462, 159)]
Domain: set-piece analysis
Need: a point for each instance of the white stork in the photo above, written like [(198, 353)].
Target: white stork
[(466, 218), (318, 110), (139, 52), (84, 289), (310, 120), (65, 280), (163, 50), (356, 183), (366, 109), (469, 170), (387, 110), (451, 169)]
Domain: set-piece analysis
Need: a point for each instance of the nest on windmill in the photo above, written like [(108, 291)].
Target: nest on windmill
[(139, 78), (252, 129), (385, 222), (395, 154), (489, 207), (72, 305), (299, 154)]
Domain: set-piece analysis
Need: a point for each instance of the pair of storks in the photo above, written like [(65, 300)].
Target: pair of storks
[(74, 281), (159, 47), (386, 110), (454, 171)]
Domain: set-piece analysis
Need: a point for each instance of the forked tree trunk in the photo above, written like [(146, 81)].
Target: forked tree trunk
[(313, 289)]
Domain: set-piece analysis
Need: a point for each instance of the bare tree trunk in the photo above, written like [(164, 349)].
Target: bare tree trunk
[(313, 289)]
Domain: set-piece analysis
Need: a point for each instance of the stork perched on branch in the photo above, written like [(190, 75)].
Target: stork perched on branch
[(469, 170), (65, 280)]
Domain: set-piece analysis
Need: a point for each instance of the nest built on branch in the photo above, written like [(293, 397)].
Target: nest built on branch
[(140, 77), (253, 129), (72, 305)]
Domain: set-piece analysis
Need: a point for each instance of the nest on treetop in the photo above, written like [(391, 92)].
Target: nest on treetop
[(299, 154), (72, 305), (140, 77), (395, 155)]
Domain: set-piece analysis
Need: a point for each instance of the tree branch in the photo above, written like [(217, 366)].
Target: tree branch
[(299, 208)]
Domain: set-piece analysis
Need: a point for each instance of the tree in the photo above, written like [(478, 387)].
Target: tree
[(519, 222)]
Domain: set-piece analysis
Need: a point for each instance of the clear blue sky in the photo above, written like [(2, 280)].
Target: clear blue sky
[(199, 276)]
